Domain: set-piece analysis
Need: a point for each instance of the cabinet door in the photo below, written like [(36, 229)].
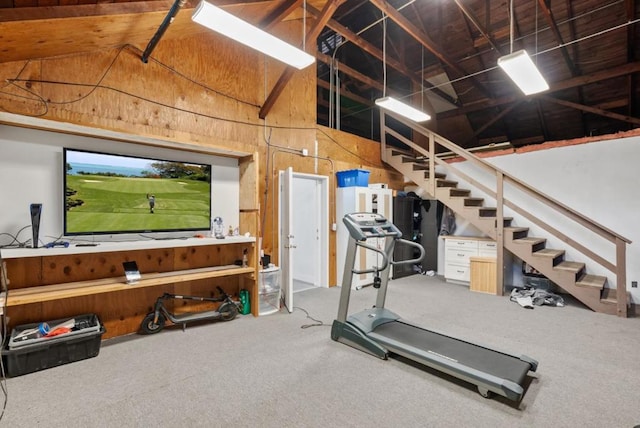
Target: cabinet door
[(487, 249), (457, 272)]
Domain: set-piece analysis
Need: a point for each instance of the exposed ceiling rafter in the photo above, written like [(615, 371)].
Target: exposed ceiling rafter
[(326, 14)]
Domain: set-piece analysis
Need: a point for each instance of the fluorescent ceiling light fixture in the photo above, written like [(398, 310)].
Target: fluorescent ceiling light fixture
[(403, 109), (241, 31), (523, 72)]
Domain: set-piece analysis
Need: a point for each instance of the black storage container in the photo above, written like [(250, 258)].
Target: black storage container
[(79, 344)]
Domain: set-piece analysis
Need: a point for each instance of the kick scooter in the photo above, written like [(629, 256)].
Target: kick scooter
[(155, 321)]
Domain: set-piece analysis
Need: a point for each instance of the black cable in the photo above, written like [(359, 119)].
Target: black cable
[(15, 239), (171, 107), (318, 323)]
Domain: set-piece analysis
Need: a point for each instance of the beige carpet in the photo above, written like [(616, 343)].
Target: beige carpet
[(270, 372)]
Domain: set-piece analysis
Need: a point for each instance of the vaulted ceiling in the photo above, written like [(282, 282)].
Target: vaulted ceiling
[(439, 55)]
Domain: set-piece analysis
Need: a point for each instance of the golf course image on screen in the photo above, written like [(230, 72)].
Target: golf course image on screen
[(107, 193)]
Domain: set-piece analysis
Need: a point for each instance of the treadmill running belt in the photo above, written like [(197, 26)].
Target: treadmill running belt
[(471, 355)]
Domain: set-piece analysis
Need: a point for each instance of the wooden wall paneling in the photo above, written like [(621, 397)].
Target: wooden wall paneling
[(250, 222), (81, 267), (24, 273), (249, 169), (120, 312), (202, 256)]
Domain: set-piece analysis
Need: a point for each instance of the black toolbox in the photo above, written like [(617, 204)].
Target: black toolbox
[(27, 356)]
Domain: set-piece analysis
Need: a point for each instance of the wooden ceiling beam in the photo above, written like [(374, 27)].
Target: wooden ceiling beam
[(600, 112), (493, 120), (554, 28), (474, 20), (630, 8), (543, 122), (347, 94), (425, 41), (279, 13), (327, 12), (377, 53), (85, 10), (351, 72), (574, 82)]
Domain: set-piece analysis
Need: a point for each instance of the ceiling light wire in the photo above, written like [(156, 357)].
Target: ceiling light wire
[(384, 55), (422, 77), (551, 49), (535, 56), (511, 17)]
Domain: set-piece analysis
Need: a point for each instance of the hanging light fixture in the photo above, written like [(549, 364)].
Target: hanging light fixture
[(521, 69), (391, 103), (241, 31), (403, 109)]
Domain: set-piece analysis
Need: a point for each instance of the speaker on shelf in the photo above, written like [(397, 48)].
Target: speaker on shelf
[(36, 211)]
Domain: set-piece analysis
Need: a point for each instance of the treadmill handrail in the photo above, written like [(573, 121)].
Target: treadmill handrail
[(412, 244), (385, 260)]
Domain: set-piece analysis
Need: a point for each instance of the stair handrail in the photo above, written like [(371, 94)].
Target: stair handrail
[(619, 268)]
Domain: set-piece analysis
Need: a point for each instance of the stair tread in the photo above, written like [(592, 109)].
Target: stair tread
[(516, 231), (574, 266), (548, 252), (589, 280), (529, 240), (460, 192)]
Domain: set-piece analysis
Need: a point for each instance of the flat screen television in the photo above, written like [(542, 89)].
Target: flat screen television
[(113, 193)]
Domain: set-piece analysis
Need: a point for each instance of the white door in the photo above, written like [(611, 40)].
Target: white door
[(304, 233), (287, 243)]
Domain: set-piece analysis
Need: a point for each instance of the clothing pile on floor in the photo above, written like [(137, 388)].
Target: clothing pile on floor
[(528, 297)]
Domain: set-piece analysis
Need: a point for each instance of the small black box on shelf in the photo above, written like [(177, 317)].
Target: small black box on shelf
[(47, 352)]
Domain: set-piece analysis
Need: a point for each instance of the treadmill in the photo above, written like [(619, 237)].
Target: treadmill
[(380, 332)]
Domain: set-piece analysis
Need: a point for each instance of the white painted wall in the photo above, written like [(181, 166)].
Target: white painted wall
[(31, 171), (597, 179), (306, 229)]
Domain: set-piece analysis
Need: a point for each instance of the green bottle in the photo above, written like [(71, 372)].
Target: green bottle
[(245, 302)]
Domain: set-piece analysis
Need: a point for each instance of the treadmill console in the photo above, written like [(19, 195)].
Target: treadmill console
[(362, 226)]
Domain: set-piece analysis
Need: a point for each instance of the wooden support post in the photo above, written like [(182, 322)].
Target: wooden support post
[(500, 233)]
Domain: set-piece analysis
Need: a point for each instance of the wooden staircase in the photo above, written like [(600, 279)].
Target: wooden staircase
[(425, 169)]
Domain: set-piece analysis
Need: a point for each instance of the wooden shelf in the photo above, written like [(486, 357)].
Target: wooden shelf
[(44, 293)]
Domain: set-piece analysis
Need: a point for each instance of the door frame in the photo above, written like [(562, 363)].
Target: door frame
[(324, 226)]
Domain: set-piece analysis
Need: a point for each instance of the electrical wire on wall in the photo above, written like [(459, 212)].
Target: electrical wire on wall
[(94, 86), (291, 151)]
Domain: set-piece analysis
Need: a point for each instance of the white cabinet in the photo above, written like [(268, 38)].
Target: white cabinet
[(457, 253), (360, 199)]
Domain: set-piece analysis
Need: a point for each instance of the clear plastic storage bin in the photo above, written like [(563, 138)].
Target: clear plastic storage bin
[(269, 291)]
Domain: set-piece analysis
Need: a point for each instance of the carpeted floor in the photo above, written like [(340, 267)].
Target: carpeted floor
[(279, 371)]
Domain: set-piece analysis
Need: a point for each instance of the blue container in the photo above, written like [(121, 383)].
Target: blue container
[(353, 177)]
